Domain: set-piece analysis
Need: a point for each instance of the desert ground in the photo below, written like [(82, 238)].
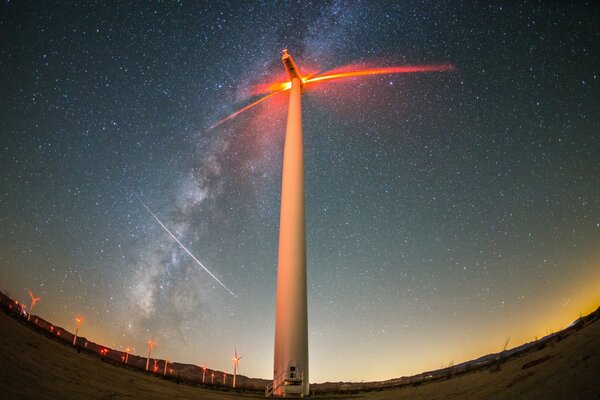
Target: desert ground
[(34, 366)]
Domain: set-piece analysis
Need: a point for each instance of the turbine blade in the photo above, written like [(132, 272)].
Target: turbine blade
[(246, 108), (279, 87), (380, 71)]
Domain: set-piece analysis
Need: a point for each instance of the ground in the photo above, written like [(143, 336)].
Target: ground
[(34, 366)]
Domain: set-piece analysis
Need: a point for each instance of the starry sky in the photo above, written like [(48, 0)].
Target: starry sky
[(445, 211)]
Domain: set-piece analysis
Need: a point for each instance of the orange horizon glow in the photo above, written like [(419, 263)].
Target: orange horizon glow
[(279, 87)]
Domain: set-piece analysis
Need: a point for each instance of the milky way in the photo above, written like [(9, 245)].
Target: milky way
[(446, 211)]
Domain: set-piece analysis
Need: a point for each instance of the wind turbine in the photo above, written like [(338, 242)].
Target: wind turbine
[(204, 372), (127, 351), (236, 362), (33, 301), (150, 346), (78, 321), (290, 366), (505, 345)]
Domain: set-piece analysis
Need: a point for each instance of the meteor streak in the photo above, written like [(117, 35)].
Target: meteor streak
[(279, 87), (184, 248)]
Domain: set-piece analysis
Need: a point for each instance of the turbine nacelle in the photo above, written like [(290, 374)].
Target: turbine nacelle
[(290, 67)]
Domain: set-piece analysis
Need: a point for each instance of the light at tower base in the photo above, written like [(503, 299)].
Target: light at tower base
[(290, 369)]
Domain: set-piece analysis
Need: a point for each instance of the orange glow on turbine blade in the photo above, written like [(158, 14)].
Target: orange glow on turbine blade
[(284, 84), (280, 86), (249, 106), (381, 71)]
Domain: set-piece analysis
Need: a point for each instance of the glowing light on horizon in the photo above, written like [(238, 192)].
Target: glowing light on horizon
[(186, 250), (279, 87)]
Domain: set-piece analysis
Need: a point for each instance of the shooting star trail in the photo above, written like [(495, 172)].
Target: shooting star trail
[(184, 248)]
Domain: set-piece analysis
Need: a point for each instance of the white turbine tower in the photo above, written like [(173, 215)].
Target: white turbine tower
[(290, 369), (150, 346), (78, 322), (236, 362)]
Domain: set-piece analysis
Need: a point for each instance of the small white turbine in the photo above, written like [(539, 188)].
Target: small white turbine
[(78, 321), (236, 362), (150, 346), (33, 301), (204, 372)]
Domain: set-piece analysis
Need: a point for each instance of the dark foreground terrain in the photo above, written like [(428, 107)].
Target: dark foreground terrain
[(563, 366)]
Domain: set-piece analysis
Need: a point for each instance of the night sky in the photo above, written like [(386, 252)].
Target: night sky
[(446, 211)]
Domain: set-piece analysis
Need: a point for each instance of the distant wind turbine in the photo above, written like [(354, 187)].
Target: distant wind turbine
[(33, 301), (150, 346), (236, 362), (127, 351), (203, 372), (78, 321)]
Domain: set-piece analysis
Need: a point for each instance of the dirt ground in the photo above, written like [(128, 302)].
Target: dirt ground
[(33, 366), (569, 369)]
